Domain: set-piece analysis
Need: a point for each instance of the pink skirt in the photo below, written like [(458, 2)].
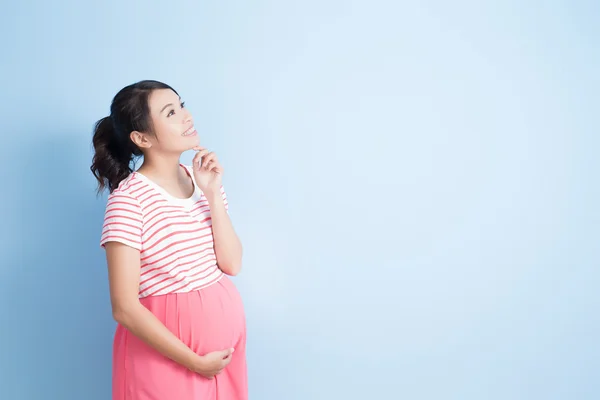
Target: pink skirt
[(206, 320)]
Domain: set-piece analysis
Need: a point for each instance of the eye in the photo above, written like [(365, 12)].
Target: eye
[(172, 112), (182, 104)]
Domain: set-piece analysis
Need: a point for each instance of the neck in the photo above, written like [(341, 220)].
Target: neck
[(165, 169)]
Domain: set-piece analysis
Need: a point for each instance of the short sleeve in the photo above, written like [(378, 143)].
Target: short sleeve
[(122, 221), (224, 196)]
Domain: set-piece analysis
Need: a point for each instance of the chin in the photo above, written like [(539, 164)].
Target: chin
[(192, 142)]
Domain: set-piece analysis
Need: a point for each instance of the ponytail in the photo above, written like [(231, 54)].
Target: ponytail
[(112, 159), (114, 150)]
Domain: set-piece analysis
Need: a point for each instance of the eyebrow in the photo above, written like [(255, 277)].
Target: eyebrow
[(163, 109), (170, 104)]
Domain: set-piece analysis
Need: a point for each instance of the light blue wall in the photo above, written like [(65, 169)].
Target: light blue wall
[(415, 184)]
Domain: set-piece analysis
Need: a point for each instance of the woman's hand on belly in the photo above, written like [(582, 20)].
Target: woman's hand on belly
[(213, 363)]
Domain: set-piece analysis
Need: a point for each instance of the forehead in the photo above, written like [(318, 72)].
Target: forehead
[(160, 98)]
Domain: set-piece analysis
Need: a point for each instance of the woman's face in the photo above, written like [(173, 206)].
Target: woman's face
[(173, 125)]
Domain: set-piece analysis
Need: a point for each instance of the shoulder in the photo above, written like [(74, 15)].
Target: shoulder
[(123, 218), (128, 192)]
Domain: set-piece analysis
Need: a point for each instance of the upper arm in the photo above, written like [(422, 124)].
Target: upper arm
[(122, 240), (123, 274)]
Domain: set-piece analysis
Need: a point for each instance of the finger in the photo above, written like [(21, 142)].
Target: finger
[(227, 353), (210, 166), (197, 160), (225, 362), (217, 166), (197, 163), (200, 154), (207, 159)]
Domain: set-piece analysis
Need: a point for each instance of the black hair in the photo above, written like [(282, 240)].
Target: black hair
[(113, 149)]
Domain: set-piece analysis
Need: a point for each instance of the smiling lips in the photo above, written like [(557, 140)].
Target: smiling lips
[(189, 132)]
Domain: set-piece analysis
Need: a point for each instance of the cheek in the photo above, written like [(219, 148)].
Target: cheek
[(168, 130), (175, 129)]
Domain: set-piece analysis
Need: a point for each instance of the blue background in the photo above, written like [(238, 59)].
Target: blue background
[(415, 184)]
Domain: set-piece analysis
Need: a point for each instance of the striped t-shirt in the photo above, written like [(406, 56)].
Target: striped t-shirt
[(173, 235)]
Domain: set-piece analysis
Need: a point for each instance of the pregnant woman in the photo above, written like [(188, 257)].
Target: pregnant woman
[(170, 249)]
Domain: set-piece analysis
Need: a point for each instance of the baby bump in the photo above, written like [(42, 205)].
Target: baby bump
[(206, 320)]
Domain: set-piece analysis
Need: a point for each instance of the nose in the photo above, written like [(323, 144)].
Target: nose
[(187, 116)]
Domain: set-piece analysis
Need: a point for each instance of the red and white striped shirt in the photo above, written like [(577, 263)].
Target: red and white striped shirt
[(173, 235)]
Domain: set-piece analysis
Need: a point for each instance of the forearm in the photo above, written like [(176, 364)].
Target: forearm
[(228, 247), (142, 323)]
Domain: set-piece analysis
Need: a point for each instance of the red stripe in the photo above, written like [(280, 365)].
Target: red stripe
[(206, 284), (197, 259), (122, 197), (152, 196), (156, 199), (139, 214), (161, 206), (142, 186), (134, 183), (177, 281), (124, 231), (206, 220), (178, 217), (111, 238), (137, 227), (143, 196), (202, 264), (168, 225), (171, 245), (128, 185), (200, 207), (153, 199), (180, 251), (172, 234), (118, 217), (193, 235), (180, 273), (113, 202), (187, 284), (158, 214)]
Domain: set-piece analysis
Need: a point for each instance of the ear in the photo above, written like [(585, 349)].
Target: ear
[(140, 139)]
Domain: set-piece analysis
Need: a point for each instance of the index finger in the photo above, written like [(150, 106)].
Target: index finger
[(226, 361)]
